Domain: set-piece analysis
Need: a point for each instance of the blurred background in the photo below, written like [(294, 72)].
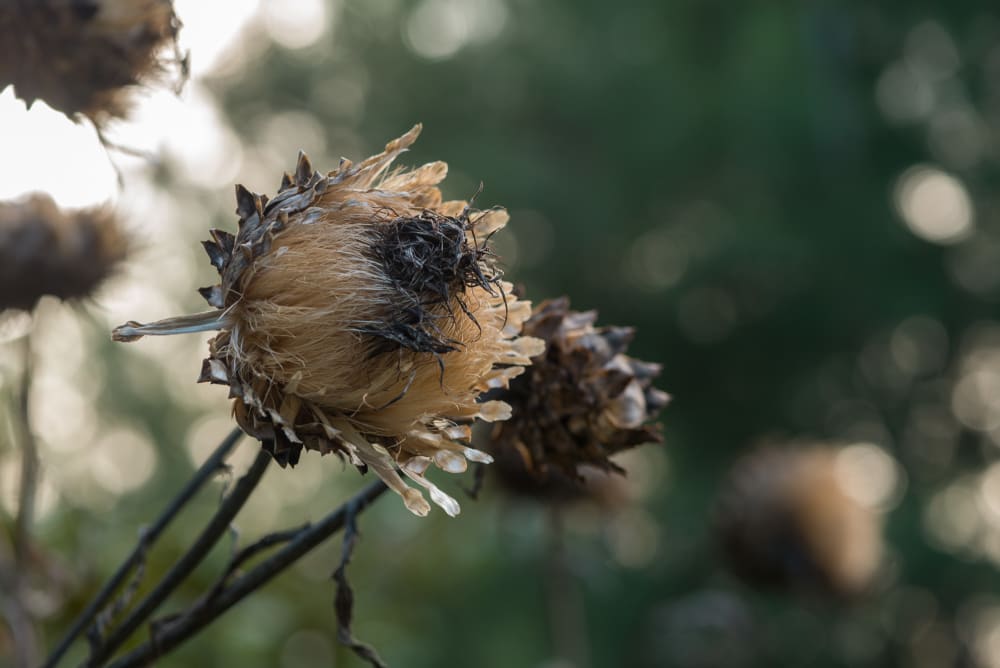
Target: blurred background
[(795, 205)]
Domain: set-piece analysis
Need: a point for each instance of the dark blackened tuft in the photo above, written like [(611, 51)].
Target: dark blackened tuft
[(430, 261)]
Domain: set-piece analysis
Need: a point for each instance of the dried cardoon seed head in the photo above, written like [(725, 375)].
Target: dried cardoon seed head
[(785, 521), (581, 401), (362, 315), (46, 251), (85, 56)]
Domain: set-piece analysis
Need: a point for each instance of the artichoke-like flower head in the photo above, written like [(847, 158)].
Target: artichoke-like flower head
[(361, 314)]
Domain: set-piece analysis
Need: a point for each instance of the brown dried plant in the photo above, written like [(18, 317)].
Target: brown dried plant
[(47, 251), (361, 314), (580, 402), (86, 57)]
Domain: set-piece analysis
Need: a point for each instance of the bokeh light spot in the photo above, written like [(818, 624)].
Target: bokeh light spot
[(437, 29), (295, 24), (122, 460), (869, 475), (934, 205)]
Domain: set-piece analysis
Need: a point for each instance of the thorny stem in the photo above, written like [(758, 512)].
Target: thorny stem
[(210, 535), (147, 536), (170, 633)]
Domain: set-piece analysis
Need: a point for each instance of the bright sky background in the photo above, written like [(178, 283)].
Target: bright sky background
[(44, 150)]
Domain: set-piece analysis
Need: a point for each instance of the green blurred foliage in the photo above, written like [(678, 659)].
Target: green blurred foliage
[(726, 178)]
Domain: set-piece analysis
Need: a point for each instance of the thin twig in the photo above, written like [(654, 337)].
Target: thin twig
[(147, 537), (29, 462), (245, 554), (478, 478), (15, 610), (344, 598), (172, 633), (566, 609), (22, 630), (210, 535)]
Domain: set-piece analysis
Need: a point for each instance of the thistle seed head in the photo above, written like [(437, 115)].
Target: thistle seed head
[(580, 402), (361, 314)]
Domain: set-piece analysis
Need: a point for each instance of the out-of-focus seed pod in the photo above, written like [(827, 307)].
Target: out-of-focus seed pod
[(85, 57), (46, 251), (785, 521)]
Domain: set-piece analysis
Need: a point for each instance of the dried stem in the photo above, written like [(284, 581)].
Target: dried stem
[(14, 609), (478, 479), (147, 537), (22, 630), (245, 554), (171, 632), (344, 598), (210, 535), (566, 609), (29, 461)]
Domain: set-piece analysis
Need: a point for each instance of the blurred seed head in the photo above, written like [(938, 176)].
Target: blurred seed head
[(361, 314), (580, 402), (785, 521), (47, 251), (85, 57)]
